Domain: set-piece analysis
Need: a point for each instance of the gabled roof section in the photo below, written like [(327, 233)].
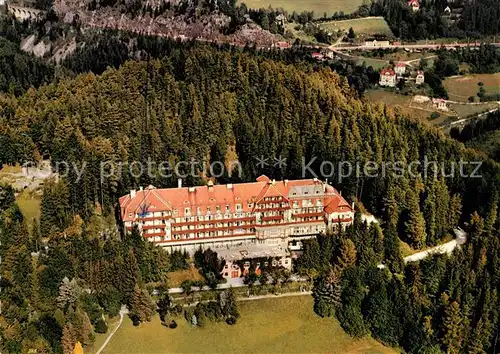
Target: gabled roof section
[(263, 178)]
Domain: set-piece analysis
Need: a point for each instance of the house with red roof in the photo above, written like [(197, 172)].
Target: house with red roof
[(414, 4), (265, 212), (387, 78), (318, 56), (420, 78), (400, 68), (281, 45)]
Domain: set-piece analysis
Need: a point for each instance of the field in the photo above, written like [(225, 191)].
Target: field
[(464, 111), (460, 88), (176, 278), (318, 6), (363, 27), (393, 99), (29, 203), (280, 325)]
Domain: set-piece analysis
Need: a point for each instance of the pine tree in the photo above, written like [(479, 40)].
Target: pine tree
[(455, 210), (142, 306), (347, 254), (327, 292), (415, 225), (476, 342), (68, 340), (129, 275), (452, 328), (68, 292)]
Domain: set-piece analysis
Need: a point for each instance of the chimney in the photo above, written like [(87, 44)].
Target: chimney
[(286, 182), (132, 193), (273, 182), (191, 189), (210, 185), (140, 188), (229, 186), (179, 182)]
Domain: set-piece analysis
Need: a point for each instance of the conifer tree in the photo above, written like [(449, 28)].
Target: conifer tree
[(327, 293), (452, 328), (415, 225), (348, 254), (142, 306)]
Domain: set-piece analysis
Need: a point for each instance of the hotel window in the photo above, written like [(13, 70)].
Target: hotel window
[(250, 205), (217, 207), (174, 212), (238, 207), (198, 210)]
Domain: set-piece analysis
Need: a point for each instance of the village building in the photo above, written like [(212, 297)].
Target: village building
[(377, 44), (400, 68), (318, 56), (281, 20), (329, 54), (414, 4), (266, 213), (420, 78), (447, 11), (281, 45), (387, 78), (440, 104)]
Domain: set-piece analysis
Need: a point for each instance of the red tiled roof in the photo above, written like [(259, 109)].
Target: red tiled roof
[(247, 195), (399, 64), (387, 72), (413, 3)]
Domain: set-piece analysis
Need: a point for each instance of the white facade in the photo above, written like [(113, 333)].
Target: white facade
[(400, 69)]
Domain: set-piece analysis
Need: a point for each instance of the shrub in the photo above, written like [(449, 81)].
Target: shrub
[(172, 324), (100, 326)]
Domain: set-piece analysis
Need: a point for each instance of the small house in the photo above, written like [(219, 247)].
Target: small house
[(281, 45), (440, 104), (400, 68), (318, 56), (414, 4), (420, 78)]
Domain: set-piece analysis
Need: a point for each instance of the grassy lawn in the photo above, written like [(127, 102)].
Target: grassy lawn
[(29, 203), (176, 278), (464, 111), (373, 62), (363, 27), (393, 99), (281, 325), (318, 6), (462, 87)]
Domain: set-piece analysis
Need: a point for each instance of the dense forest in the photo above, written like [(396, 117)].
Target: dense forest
[(472, 19), (195, 102), (443, 304)]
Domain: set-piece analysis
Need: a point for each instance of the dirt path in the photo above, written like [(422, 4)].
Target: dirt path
[(123, 312)]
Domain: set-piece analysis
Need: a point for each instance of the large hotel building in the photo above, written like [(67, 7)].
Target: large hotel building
[(265, 212)]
